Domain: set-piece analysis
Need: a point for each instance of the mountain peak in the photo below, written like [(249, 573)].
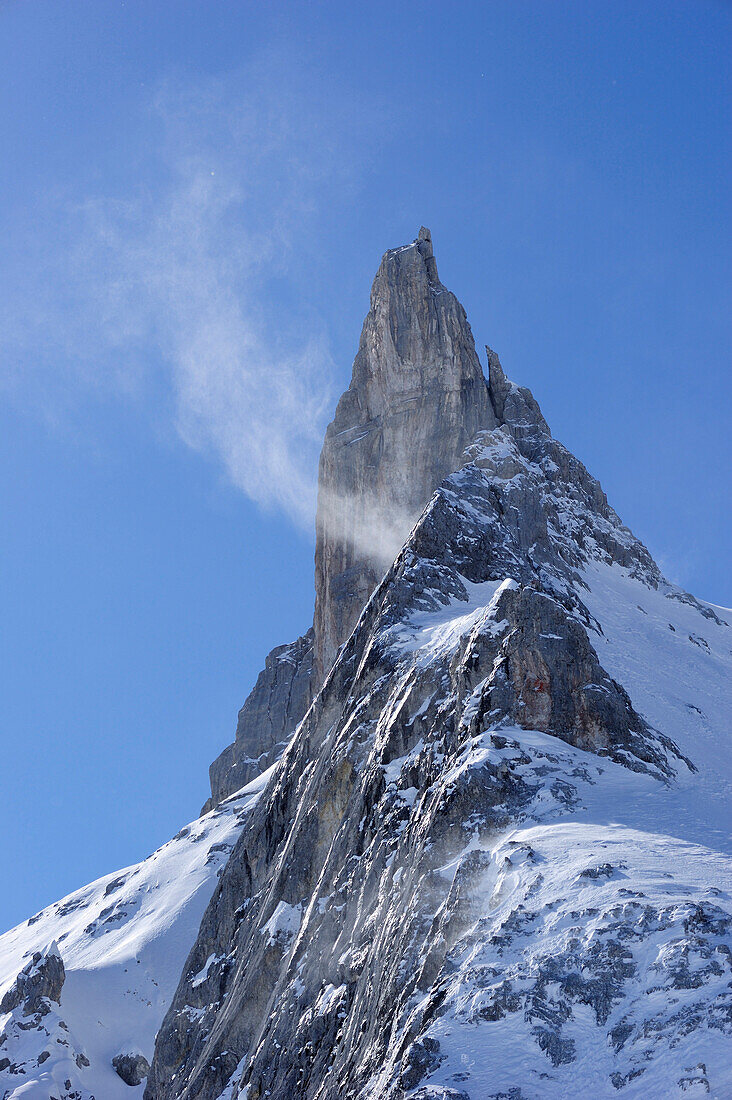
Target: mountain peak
[(461, 852), (424, 247), (487, 854), (417, 398)]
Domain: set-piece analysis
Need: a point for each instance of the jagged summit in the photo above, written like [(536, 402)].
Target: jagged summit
[(424, 245), (405, 883), (421, 246), (416, 399)]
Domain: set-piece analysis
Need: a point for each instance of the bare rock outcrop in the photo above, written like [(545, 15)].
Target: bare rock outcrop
[(131, 1068), (40, 981), (279, 699), (34, 1033)]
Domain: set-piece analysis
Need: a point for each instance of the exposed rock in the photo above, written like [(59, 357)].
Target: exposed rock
[(281, 695), (132, 1068), (39, 982), (418, 406), (417, 398), (420, 1060)]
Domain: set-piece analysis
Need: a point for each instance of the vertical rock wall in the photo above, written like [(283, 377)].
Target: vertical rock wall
[(417, 398)]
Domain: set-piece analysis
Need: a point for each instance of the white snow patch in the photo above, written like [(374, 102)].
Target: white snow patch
[(432, 634), (284, 921), (202, 974)]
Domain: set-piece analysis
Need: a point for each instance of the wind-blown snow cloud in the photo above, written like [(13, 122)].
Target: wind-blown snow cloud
[(174, 281), (257, 402)]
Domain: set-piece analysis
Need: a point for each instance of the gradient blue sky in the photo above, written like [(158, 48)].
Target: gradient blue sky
[(196, 195)]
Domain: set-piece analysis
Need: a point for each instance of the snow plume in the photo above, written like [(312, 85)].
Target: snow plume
[(258, 403), (162, 294), (381, 532), (374, 529)]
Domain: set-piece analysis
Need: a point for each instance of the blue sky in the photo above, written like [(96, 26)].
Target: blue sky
[(196, 196)]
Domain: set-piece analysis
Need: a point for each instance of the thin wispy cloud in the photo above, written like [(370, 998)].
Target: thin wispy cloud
[(174, 279), (241, 392)]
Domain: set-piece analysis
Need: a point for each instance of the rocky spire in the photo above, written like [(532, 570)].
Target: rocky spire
[(417, 397)]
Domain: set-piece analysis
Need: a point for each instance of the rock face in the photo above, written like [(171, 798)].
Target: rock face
[(39, 982), (410, 898), (131, 1068), (417, 398), (35, 1036), (281, 695)]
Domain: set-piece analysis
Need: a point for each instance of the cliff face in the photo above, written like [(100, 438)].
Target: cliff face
[(279, 699), (417, 397)]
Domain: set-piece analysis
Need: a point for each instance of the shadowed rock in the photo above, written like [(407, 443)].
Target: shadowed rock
[(281, 695), (40, 981), (131, 1068)]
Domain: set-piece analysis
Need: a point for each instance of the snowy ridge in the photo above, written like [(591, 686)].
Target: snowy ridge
[(123, 941)]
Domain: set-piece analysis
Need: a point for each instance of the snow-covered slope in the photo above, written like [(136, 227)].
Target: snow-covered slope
[(494, 862), (123, 941), (676, 664), (602, 938)]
